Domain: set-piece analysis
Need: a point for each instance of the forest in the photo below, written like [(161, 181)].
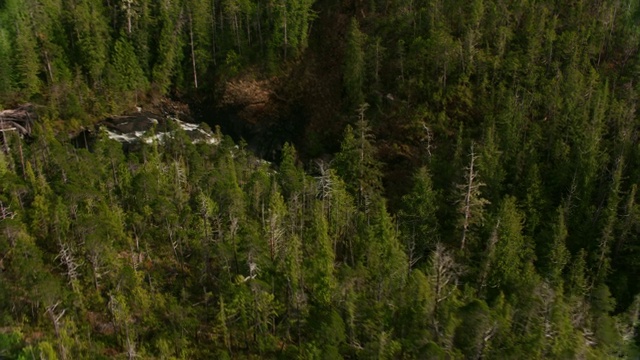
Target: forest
[(390, 179)]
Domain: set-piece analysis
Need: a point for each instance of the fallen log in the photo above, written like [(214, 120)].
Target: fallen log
[(19, 119)]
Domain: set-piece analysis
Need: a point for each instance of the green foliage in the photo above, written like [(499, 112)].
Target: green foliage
[(354, 66), (93, 38), (6, 70), (128, 72), (290, 22), (320, 261), (418, 221), (558, 256), (126, 45), (3, 164), (152, 255), (512, 252), (11, 343), (356, 162), (290, 176), (169, 44), (484, 206), (471, 335), (26, 61)]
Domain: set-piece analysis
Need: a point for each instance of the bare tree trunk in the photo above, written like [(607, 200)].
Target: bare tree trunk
[(55, 318), (248, 29), (129, 17), (444, 279), (213, 30), (24, 170), (467, 207), (286, 39), (237, 30), (259, 29), (48, 64), (5, 147), (193, 53)]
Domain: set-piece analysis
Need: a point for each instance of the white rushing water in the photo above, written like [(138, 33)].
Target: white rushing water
[(195, 132)]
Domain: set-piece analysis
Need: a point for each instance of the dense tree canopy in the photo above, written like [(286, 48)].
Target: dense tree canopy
[(464, 186)]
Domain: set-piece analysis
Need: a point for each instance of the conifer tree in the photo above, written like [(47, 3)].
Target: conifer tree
[(417, 219), (558, 255), (354, 66), (127, 69), (356, 162), (290, 178), (171, 22), (275, 224), (91, 30), (490, 164), (385, 258), (609, 225), (27, 63), (319, 259), (6, 60), (443, 272), (512, 251)]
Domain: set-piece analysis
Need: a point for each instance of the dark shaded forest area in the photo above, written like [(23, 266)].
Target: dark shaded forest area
[(451, 180)]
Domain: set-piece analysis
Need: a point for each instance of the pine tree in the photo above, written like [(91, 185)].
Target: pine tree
[(475, 329), (290, 177), (339, 208), (275, 224), (27, 63), (603, 266), (417, 219), (356, 162), (354, 66), (385, 259), (91, 30), (6, 60), (199, 37), (170, 23), (319, 259), (512, 252), (558, 256), (128, 72), (490, 164)]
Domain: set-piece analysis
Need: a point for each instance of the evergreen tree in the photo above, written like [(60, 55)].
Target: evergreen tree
[(128, 72), (91, 32), (170, 249), (354, 66), (290, 177), (319, 261), (356, 162), (171, 21), (417, 219), (558, 256), (6, 66), (512, 251), (27, 63)]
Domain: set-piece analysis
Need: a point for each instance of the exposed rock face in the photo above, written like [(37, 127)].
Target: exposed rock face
[(128, 129), (146, 126), (134, 128)]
